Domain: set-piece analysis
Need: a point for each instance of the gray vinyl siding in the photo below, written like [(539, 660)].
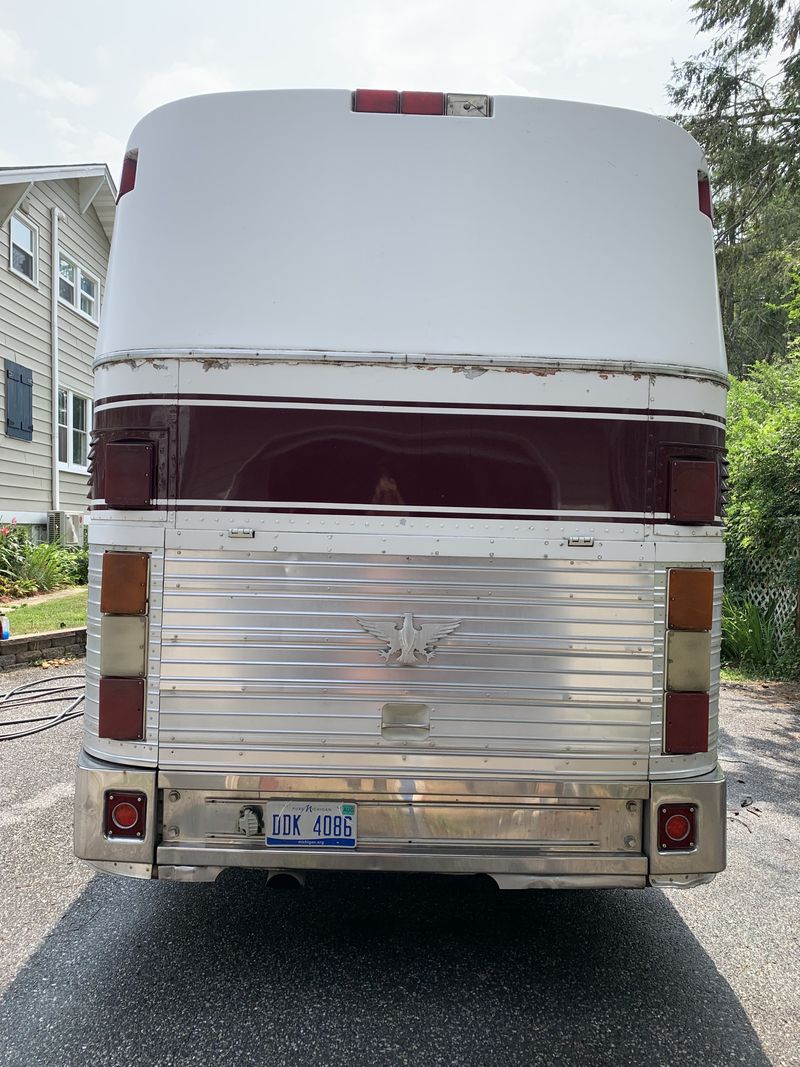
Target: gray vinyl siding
[(25, 338), (83, 240), (25, 466)]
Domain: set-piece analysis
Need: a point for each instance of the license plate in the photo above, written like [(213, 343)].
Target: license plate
[(309, 824)]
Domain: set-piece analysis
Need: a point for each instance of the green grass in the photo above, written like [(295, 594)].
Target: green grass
[(60, 613), (739, 674)]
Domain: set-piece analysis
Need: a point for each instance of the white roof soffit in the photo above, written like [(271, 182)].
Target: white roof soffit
[(95, 188)]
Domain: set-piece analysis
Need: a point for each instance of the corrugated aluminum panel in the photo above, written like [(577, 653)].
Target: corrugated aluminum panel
[(265, 666)]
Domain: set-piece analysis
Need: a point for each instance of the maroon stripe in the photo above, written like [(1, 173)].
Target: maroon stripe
[(425, 404), (420, 461)]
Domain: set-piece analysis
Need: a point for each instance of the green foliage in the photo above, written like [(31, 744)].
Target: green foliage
[(78, 565), (751, 637), (763, 521), (747, 118), (764, 469), (26, 568)]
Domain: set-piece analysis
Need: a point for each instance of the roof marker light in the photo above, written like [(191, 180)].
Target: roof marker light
[(128, 178), (468, 105), (704, 195), (383, 101), (422, 103)]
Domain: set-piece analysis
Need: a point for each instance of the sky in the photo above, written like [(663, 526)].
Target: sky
[(75, 78)]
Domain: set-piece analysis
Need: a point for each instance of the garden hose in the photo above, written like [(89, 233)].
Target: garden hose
[(33, 694)]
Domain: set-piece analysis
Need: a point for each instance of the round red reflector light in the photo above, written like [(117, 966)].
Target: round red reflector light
[(124, 815), (677, 827)]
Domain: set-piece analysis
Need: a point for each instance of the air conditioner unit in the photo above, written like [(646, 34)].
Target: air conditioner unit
[(65, 526)]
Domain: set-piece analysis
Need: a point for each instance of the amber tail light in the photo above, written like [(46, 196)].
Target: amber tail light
[(690, 599), (124, 585)]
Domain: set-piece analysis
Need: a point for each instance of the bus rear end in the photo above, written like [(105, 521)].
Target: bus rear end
[(407, 485)]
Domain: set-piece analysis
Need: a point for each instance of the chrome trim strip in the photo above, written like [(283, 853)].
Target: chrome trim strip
[(468, 790), (126, 870), (417, 860), (468, 359)]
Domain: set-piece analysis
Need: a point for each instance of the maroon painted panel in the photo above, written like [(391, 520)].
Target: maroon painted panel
[(419, 460)]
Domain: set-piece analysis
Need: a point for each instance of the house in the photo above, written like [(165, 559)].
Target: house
[(55, 230)]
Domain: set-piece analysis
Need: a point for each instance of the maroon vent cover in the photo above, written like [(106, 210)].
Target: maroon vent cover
[(686, 723), (692, 490), (122, 708), (129, 474)]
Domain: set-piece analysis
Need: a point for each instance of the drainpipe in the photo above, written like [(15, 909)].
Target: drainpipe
[(55, 493)]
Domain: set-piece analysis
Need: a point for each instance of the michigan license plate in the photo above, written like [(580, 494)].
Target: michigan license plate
[(309, 824)]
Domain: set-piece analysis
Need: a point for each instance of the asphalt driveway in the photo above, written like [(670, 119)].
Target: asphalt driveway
[(402, 970)]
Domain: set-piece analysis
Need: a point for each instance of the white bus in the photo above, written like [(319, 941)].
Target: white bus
[(407, 484)]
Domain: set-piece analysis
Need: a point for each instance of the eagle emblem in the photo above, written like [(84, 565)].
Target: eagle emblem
[(408, 642)]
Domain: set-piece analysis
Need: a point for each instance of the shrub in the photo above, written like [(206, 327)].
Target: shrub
[(78, 565), (751, 637), (26, 568)]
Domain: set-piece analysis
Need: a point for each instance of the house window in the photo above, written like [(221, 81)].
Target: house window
[(73, 430), (77, 287), (23, 253)]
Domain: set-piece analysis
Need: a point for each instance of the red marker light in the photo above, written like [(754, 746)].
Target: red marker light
[(422, 103), (704, 197), (125, 814), (128, 177), (382, 101), (676, 827)]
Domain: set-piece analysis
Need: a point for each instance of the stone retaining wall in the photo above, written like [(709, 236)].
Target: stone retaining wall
[(55, 644)]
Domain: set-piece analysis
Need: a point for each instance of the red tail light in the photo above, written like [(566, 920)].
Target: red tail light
[(422, 103), (692, 490), (125, 814), (676, 827), (686, 723), (704, 197), (128, 178), (121, 711), (384, 101)]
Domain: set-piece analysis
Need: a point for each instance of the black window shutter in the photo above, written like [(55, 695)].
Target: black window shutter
[(19, 401)]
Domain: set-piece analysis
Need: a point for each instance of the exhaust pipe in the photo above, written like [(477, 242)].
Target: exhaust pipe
[(286, 879)]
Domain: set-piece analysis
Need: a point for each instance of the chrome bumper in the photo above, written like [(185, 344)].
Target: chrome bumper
[(525, 834)]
